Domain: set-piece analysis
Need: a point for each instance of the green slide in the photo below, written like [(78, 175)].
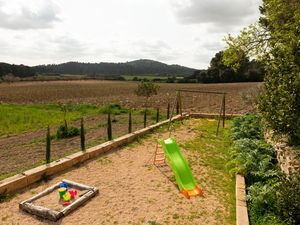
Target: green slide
[(183, 174)]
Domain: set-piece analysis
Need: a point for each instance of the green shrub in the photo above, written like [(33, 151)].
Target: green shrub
[(262, 198), (255, 159), (267, 219), (248, 126), (280, 104), (113, 108), (66, 132), (288, 201)]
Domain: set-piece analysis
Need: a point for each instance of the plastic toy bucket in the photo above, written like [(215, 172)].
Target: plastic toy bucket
[(62, 192)]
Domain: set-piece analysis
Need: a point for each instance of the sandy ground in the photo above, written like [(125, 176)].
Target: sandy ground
[(132, 190)]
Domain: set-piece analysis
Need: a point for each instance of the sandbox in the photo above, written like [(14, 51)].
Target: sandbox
[(52, 208)]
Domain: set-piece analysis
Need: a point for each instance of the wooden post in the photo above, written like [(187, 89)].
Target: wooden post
[(145, 118), (109, 128), (130, 122), (48, 145), (168, 111), (180, 103), (224, 115), (177, 104), (157, 115), (82, 135)]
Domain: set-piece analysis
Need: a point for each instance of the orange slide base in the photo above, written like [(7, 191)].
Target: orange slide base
[(195, 192)]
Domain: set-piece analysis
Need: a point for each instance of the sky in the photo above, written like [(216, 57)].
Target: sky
[(184, 32)]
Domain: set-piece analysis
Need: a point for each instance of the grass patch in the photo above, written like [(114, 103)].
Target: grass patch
[(214, 152), (16, 119)]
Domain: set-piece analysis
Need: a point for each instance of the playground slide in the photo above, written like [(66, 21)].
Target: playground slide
[(183, 174)]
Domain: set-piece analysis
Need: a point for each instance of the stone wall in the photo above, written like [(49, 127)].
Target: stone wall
[(287, 156)]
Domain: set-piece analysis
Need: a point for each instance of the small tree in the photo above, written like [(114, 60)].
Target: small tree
[(48, 145), (109, 128), (147, 89), (130, 122), (82, 135), (65, 108)]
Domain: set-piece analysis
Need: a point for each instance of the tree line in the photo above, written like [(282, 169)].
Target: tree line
[(218, 72), (16, 70)]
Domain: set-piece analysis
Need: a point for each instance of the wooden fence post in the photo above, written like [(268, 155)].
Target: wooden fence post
[(180, 103), (130, 122), (109, 128), (48, 145), (82, 135), (177, 105)]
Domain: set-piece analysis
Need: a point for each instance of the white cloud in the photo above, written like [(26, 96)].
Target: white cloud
[(220, 15), (185, 32), (21, 16)]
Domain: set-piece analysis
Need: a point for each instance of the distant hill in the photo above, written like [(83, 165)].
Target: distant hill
[(137, 67)]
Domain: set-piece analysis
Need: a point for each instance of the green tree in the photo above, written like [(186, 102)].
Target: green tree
[(147, 89), (275, 42)]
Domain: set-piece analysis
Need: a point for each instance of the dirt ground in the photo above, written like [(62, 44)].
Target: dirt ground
[(103, 92), (132, 190)]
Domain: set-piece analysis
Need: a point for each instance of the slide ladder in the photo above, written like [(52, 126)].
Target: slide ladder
[(159, 157)]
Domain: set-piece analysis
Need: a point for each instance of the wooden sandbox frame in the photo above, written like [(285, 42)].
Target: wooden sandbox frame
[(54, 215)]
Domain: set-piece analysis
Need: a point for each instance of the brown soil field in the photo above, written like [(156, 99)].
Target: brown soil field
[(133, 191), (13, 148), (103, 92), (32, 144)]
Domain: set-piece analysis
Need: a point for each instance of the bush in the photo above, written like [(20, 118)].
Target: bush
[(262, 199), (248, 126), (255, 159), (66, 132), (113, 108), (288, 202)]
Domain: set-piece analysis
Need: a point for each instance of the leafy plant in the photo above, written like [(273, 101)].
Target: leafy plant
[(255, 159), (288, 201), (114, 109), (248, 126), (262, 198), (66, 132), (147, 89)]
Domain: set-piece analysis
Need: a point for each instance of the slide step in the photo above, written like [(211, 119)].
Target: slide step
[(160, 159)]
